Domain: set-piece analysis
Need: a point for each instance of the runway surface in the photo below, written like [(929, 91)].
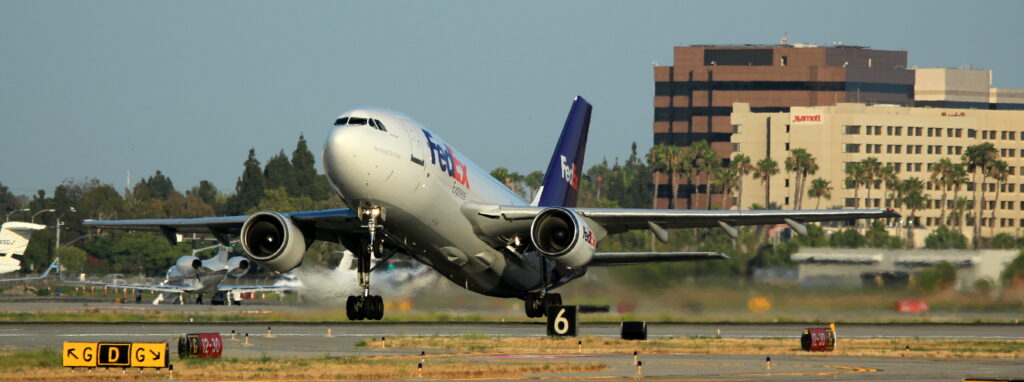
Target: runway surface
[(310, 340)]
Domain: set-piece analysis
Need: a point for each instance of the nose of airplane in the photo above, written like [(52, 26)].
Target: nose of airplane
[(342, 154)]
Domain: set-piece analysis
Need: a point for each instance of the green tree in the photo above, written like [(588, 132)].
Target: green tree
[(1004, 241), (72, 259), (307, 181), (941, 174), (855, 175), (978, 158), (705, 161), (741, 164), (764, 170), (278, 173), (872, 175), (820, 188), (534, 180), (250, 186), (939, 277), (8, 202), (913, 197), (878, 237), (999, 171), (958, 178), (727, 178), (209, 194), (1014, 270), (801, 163), (944, 238), (847, 238)]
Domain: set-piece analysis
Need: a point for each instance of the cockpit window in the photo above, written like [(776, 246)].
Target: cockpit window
[(341, 121), (356, 121), (380, 125)]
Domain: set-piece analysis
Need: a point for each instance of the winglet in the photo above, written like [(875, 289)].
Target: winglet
[(562, 179)]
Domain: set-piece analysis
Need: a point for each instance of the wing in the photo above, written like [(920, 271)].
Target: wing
[(627, 258), (616, 220), (151, 287), (256, 288), (327, 224), (499, 225)]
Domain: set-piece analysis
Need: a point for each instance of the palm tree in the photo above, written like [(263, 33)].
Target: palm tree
[(855, 175), (657, 162), (764, 170), (741, 163), (958, 178), (977, 158), (872, 174), (1000, 172), (705, 161), (889, 180), (940, 177), (915, 199), (727, 178), (802, 164), (820, 188), (960, 205)]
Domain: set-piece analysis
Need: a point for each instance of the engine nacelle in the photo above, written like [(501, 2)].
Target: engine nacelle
[(188, 265), (564, 237), (273, 241), (238, 266)]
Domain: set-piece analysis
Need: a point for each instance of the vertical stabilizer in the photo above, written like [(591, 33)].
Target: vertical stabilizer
[(562, 179), (14, 237)]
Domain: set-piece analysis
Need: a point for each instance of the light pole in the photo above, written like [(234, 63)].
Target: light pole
[(12, 212), (56, 246), (37, 213)]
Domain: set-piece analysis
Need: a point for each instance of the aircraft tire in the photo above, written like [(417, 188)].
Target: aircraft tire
[(551, 299), (534, 305), (353, 308), (378, 308)]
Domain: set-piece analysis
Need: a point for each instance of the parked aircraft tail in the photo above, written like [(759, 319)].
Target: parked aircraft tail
[(562, 179), (14, 237)]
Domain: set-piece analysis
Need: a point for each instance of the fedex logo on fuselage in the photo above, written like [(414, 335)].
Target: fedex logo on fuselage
[(569, 174), (441, 155)]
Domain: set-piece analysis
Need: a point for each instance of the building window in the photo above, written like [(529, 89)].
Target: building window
[(787, 183), (787, 128), (851, 129), (888, 130), (878, 148), (783, 60), (848, 148), (851, 202), (786, 200), (736, 129), (735, 147), (959, 132), (971, 133), (787, 146)]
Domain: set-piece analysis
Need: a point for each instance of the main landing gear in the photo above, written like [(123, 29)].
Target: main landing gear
[(537, 303), (366, 306)]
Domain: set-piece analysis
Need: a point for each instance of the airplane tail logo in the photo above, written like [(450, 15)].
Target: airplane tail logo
[(14, 237), (562, 179)]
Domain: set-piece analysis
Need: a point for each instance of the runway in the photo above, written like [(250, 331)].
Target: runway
[(310, 341)]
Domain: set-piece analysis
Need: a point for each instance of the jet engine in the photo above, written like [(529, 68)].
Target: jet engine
[(238, 266), (273, 241), (562, 236), (188, 265)]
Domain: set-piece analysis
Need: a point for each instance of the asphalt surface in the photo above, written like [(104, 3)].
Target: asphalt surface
[(310, 340)]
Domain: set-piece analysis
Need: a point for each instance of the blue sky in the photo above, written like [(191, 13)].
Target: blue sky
[(97, 89)]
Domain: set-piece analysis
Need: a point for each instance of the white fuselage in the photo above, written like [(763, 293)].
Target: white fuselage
[(204, 280), (422, 183), (9, 264)]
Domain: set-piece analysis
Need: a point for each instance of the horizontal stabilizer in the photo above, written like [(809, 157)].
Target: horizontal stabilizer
[(626, 258)]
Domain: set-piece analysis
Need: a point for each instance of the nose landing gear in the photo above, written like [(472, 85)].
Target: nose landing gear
[(366, 306)]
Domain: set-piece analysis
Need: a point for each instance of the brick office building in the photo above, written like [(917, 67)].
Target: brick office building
[(693, 98)]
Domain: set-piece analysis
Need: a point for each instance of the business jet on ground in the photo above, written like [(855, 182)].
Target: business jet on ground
[(192, 276), (408, 191), (14, 238)]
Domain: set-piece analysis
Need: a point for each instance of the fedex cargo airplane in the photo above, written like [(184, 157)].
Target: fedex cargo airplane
[(408, 191)]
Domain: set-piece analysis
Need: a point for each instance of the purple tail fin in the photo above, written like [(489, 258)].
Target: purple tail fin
[(561, 182)]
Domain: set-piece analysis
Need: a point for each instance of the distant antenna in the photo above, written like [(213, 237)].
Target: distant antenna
[(784, 39)]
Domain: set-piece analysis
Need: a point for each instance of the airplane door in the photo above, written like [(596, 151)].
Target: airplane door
[(418, 145)]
